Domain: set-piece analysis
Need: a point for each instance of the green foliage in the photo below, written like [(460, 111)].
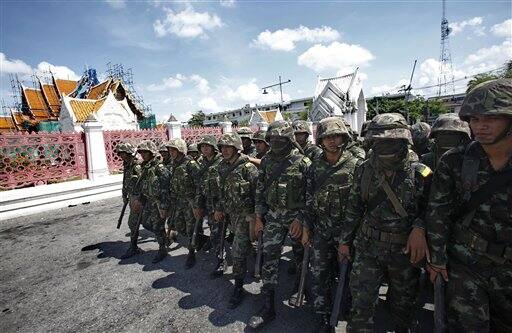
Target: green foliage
[(244, 123), (287, 116), (304, 115), (417, 108), (481, 78), (197, 119)]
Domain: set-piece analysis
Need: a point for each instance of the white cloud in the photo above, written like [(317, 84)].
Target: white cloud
[(490, 57), (286, 39), (186, 24), (61, 72), (167, 83), (201, 83), (249, 93), (227, 3), (391, 89), (475, 24), (12, 66), (336, 56), (208, 104), (116, 4), (503, 29)]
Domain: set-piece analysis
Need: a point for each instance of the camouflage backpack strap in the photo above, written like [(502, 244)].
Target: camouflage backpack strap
[(397, 205), (366, 179), (320, 181), (469, 178), (278, 169)]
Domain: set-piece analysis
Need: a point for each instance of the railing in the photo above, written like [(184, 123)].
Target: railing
[(112, 138), (40, 158), (195, 134)]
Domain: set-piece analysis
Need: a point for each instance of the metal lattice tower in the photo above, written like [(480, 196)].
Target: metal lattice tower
[(445, 80)]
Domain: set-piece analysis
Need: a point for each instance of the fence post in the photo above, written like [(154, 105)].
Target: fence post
[(225, 126), (97, 166), (173, 129)]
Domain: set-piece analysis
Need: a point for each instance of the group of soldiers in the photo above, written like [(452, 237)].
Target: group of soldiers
[(394, 203)]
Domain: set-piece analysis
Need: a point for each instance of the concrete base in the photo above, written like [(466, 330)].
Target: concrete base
[(31, 200)]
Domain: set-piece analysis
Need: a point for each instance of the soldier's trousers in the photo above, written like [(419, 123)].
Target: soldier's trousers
[(183, 219), (215, 234), (151, 221), (323, 268), (241, 243), (277, 225), (479, 299), (374, 264)]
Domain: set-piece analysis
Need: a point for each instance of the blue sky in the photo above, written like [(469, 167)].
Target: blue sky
[(215, 55)]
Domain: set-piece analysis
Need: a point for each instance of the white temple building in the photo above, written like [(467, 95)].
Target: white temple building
[(267, 116), (340, 96)]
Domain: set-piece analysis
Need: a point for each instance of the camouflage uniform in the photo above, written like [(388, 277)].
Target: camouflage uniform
[(310, 150), (328, 205), (474, 244), (183, 189), (246, 132), (151, 192), (447, 132), (378, 231), (166, 158), (354, 146), (260, 136), (420, 138), (237, 186), (192, 148)]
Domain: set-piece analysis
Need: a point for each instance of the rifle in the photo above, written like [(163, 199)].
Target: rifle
[(340, 289), (259, 256), (197, 228), (439, 305), (222, 243), (139, 220), (303, 273), (120, 220)]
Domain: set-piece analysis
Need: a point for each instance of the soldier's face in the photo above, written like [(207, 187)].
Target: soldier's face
[(207, 150), (174, 153), (489, 129), (227, 152), (164, 153), (301, 138), (332, 143), (261, 146), (194, 154), (146, 155), (246, 142)]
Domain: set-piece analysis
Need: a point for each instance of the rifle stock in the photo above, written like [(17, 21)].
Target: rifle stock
[(259, 256), (303, 273), (197, 229), (340, 289), (439, 305), (120, 220), (222, 244)]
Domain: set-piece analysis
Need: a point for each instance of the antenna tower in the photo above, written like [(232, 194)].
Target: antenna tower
[(445, 80)]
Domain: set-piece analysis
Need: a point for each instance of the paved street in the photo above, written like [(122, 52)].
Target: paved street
[(61, 272)]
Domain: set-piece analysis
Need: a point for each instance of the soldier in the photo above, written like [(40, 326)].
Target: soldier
[(260, 143), (183, 189), (383, 216), (420, 138), (149, 197), (131, 174), (193, 151), (330, 176), (302, 131), (469, 219), (366, 143), (166, 157), (448, 131), (281, 199), (208, 197), (237, 185), (246, 134), (353, 145)]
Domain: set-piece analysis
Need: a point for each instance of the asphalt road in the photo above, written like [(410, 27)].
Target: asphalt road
[(61, 271)]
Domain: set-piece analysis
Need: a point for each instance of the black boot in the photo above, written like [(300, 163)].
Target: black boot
[(132, 250), (191, 259), (238, 294), (218, 271), (324, 326), (161, 254), (266, 314)]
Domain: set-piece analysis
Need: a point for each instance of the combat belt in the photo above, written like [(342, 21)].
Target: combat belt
[(385, 237)]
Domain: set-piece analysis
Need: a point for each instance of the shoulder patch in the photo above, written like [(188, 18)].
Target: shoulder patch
[(248, 164), (423, 170)]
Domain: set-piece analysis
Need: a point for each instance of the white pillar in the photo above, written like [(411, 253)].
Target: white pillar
[(173, 129), (263, 126), (226, 126), (310, 126), (97, 166)]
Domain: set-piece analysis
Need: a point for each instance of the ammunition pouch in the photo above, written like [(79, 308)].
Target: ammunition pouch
[(385, 237), (476, 243)]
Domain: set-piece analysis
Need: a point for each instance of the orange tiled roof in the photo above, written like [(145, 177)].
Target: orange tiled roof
[(20, 118), (65, 87), (52, 97), (7, 124), (98, 90), (84, 108), (268, 116), (35, 99)]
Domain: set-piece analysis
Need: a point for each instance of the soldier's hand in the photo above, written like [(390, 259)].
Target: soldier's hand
[(306, 237), (164, 213), (218, 216), (258, 225), (417, 246), (344, 252), (135, 205), (433, 270), (295, 229), (198, 213)]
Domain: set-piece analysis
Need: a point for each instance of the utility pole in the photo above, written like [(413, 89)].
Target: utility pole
[(280, 84), (445, 80)]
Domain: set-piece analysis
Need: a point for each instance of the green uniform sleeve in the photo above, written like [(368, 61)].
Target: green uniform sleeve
[(354, 211), (260, 200)]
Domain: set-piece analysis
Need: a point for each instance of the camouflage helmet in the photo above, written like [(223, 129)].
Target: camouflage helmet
[(450, 122), (420, 131), (231, 139), (208, 140), (148, 145), (331, 126), (488, 98), (301, 126), (178, 144), (280, 128), (245, 132), (162, 148), (364, 128), (260, 136), (192, 148), (126, 147), (389, 126)]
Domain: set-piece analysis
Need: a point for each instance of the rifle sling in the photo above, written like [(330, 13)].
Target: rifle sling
[(326, 174), (278, 169)]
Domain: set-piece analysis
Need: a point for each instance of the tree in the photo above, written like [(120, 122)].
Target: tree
[(197, 119), (417, 108), (287, 116), (304, 115), (484, 77)]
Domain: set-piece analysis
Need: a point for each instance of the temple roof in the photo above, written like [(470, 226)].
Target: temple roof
[(52, 98), (268, 116), (83, 108), (65, 87), (7, 124), (98, 91)]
